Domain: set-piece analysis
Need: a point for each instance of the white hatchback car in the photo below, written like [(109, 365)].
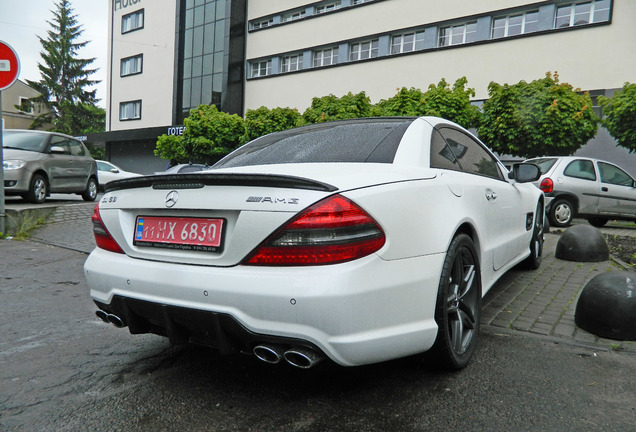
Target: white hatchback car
[(108, 172), (359, 241)]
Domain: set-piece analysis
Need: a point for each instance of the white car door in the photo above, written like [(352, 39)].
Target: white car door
[(489, 192)]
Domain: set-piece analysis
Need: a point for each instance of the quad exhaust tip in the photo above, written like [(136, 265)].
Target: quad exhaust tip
[(303, 358)]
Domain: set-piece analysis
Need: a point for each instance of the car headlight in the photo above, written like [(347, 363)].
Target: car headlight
[(13, 164)]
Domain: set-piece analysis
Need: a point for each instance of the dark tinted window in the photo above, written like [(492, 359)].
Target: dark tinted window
[(347, 141), (464, 150)]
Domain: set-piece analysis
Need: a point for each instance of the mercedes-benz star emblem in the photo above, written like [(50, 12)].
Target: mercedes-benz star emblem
[(172, 198)]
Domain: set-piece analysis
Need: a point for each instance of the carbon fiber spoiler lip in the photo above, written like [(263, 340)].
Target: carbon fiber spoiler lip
[(199, 180)]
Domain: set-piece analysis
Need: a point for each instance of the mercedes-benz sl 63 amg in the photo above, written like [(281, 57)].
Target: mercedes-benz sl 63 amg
[(357, 241)]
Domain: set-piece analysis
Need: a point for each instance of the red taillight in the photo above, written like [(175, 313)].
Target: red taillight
[(547, 185), (331, 231), (103, 239)]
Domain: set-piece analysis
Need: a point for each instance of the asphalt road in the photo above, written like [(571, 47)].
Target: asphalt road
[(62, 369)]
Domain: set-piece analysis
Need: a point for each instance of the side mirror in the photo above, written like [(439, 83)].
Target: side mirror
[(524, 173), (114, 170), (57, 150)]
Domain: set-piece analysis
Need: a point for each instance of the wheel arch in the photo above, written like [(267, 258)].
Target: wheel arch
[(468, 229), (567, 196)]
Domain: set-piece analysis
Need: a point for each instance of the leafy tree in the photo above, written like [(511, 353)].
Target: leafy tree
[(208, 136), (65, 78), (328, 108), (540, 118), (407, 102), (263, 121), (439, 100), (619, 113)]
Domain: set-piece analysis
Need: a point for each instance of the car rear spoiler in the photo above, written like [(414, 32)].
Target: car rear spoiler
[(199, 180)]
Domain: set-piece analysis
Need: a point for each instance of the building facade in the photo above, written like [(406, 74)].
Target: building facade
[(17, 111), (170, 56)]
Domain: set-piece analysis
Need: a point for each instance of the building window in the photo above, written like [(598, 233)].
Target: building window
[(328, 7), (261, 68), (25, 105), (262, 23), (407, 42), (132, 21), (131, 65), (512, 25), (291, 63), (363, 50), (458, 34), (581, 13), (130, 110), (294, 16), (326, 57), (357, 2)]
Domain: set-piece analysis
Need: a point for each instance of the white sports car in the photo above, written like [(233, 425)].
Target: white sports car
[(358, 241)]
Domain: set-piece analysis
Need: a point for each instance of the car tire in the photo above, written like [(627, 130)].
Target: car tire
[(561, 213), (458, 307), (536, 241), (597, 221), (91, 190), (38, 189)]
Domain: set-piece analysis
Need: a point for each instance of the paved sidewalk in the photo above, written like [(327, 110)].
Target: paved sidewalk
[(540, 302)]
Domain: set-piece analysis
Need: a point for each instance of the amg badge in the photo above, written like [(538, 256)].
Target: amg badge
[(273, 200)]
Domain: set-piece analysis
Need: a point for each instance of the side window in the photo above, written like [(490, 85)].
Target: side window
[(77, 149), (614, 175), (442, 156), (58, 141), (471, 156), (581, 169)]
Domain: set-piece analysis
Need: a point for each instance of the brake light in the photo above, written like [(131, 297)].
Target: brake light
[(547, 185), (103, 239), (331, 231)]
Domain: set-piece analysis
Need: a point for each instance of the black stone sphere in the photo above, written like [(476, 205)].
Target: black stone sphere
[(607, 306), (582, 243)]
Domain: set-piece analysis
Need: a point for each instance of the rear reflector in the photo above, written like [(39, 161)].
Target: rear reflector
[(103, 239), (331, 231)]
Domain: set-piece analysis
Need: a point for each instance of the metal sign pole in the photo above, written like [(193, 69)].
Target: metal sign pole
[(2, 210)]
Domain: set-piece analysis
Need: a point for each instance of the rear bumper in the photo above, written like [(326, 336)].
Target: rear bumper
[(361, 312)]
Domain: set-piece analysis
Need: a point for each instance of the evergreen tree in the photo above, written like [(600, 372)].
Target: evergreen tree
[(65, 77)]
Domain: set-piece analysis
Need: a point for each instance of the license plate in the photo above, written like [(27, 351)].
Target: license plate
[(200, 234)]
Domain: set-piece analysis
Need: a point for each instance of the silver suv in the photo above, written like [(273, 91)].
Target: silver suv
[(38, 163), (592, 189)]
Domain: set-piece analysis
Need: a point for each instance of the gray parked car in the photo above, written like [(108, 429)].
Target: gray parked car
[(592, 189), (38, 163)]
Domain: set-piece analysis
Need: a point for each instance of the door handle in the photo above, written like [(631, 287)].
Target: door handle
[(491, 195), (604, 189)]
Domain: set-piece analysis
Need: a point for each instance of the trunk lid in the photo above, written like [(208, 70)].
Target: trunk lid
[(252, 203)]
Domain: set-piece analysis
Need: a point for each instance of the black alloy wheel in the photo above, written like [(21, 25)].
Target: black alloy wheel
[(458, 309)]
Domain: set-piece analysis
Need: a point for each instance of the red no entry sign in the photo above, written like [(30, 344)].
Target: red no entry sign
[(9, 66)]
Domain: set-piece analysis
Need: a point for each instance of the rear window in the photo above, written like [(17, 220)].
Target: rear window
[(544, 164), (346, 141)]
